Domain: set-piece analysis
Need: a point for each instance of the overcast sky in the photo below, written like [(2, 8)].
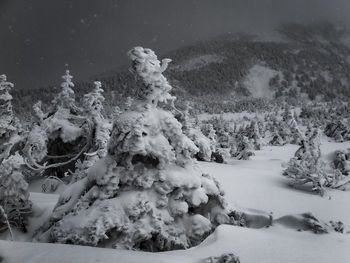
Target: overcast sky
[(40, 38)]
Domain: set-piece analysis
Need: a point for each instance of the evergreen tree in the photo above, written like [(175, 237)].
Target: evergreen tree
[(295, 135), (195, 134), (307, 167), (253, 133), (14, 194), (244, 148), (62, 135), (101, 128), (9, 125), (276, 140), (66, 98), (148, 192)]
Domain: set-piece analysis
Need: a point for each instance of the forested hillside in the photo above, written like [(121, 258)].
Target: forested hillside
[(229, 72)]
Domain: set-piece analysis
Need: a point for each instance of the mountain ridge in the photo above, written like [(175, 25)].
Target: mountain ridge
[(311, 62)]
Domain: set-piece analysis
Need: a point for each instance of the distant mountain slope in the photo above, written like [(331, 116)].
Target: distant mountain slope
[(312, 62)]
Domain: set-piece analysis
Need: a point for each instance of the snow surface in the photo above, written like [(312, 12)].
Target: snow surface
[(256, 184)]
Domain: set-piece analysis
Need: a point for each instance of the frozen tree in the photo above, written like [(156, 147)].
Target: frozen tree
[(101, 128), (115, 113), (338, 137), (253, 133), (62, 135), (337, 130), (147, 193), (14, 193), (9, 125), (147, 66), (94, 106), (219, 154), (296, 136), (244, 148), (262, 128), (128, 103), (93, 101), (195, 134), (66, 98), (307, 167), (341, 162), (225, 137), (287, 114), (13, 187), (291, 132), (277, 139), (38, 112)]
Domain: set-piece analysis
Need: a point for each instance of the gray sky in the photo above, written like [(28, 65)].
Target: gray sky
[(40, 38)]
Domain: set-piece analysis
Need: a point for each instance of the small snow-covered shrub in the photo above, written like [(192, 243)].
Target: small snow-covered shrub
[(244, 148), (307, 167), (224, 258), (277, 140), (14, 193), (340, 162), (337, 130), (147, 193)]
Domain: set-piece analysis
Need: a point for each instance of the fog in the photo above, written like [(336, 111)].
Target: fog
[(40, 38)]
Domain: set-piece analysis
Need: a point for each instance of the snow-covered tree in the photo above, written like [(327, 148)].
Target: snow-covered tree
[(244, 148), (225, 138), (38, 112), (66, 98), (340, 162), (101, 128), (195, 134), (14, 193), (291, 129), (147, 193), (9, 124), (307, 167), (253, 133), (94, 106), (337, 130), (62, 135), (219, 154), (278, 136), (115, 113), (128, 103)]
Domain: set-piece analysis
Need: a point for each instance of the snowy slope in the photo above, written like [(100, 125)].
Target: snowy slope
[(255, 184), (272, 245), (258, 184)]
